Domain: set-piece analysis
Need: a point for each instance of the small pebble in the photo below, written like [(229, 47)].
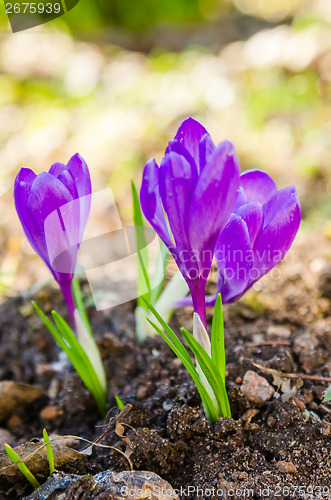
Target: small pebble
[(286, 467), (271, 422), (167, 405), (142, 392), (309, 396), (14, 421), (256, 388), (300, 404), (279, 331), (50, 412), (325, 429)]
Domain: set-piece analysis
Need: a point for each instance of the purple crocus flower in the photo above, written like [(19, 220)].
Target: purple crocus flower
[(53, 208), (257, 237), (197, 186)]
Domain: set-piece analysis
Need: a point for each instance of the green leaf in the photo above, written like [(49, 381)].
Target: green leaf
[(14, 457), (211, 373), (65, 346), (177, 343), (77, 356), (142, 252), (119, 402), (49, 452), (80, 304), (211, 411), (96, 387), (217, 338), (158, 277), (327, 395)]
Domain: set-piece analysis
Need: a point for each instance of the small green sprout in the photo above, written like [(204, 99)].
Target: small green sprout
[(119, 402), (82, 349), (49, 452), (14, 457), (209, 372)]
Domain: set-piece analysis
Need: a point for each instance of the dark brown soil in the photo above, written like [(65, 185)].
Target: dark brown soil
[(267, 453)]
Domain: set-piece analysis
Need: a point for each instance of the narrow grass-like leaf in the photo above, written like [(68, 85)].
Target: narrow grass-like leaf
[(217, 338), (80, 304), (158, 277), (49, 452), (97, 390), (14, 457), (75, 360), (119, 402), (80, 354), (211, 373), (142, 252), (175, 340), (211, 411), (90, 347), (77, 356)]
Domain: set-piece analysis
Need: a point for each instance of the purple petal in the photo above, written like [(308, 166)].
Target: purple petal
[(234, 257), (177, 147), (213, 200), (278, 202), (177, 182), (252, 214), (276, 238), (47, 194), (62, 236), (61, 172), (22, 187), (189, 135), (80, 174), (258, 185), (150, 201), (206, 148), (241, 199)]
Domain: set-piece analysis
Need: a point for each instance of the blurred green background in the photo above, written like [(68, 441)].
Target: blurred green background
[(114, 79)]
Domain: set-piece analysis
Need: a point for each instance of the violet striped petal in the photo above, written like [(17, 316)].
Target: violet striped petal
[(189, 135), (234, 257), (61, 172), (80, 174), (22, 187), (258, 185), (276, 238), (252, 214), (213, 200), (177, 147), (277, 204), (177, 182), (150, 201), (206, 148), (47, 195)]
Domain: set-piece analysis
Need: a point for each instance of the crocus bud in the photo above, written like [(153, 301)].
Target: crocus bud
[(53, 208)]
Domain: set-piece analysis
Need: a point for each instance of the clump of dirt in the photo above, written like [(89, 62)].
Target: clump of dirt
[(278, 438)]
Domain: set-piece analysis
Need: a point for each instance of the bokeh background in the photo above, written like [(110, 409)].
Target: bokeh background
[(114, 79)]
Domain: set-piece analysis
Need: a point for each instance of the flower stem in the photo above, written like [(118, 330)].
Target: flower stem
[(198, 290), (66, 290)]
